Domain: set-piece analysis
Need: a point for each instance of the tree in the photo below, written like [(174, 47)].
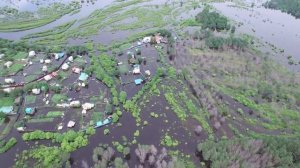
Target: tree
[(233, 29), (2, 115), (123, 97), (115, 118)]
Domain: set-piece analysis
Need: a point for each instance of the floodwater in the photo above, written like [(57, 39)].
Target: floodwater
[(269, 25), (85, 11), (272, 26)]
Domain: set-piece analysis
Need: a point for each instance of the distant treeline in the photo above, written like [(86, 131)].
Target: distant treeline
[(289, 6)]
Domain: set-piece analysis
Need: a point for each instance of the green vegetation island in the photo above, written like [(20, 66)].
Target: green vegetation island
[(144, 84), (288, 6)]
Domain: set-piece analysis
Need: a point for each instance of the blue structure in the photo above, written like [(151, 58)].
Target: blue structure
[(29, 111), (104, 122), (138, 81), (61, 55), (7, 109), (83, 76)]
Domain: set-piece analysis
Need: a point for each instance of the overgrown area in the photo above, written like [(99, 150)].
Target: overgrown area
[(289, 6)]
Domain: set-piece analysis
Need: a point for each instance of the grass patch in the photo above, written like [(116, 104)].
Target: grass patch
[(53, 114), (6, 101), (30, 99), (58, 98), (40, 120)]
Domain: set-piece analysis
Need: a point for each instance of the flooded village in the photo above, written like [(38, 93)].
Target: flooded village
[(149, 83)]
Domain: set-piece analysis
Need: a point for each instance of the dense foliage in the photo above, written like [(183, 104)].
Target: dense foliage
[(44, 157), (220, 42), (289, 6), (5, 146), (104, 68), (212, 20), (70, 141), (246, 152)]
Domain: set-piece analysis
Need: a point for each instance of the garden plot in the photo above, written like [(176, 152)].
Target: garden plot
[(143, 66)]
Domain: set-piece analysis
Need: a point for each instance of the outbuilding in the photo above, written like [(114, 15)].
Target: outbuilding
[(31, 54)]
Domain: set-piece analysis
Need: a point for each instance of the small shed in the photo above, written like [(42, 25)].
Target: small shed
[(1, 56), (147, 39), (30, 110), (71, 124), (138, 81), (8, 64), (88, 106), (136, 69), (147, 72), (44, 68), (48, 61), (83, 76), (9, 80), (75, 104), (76, 70), (71, 58), (104, 122)]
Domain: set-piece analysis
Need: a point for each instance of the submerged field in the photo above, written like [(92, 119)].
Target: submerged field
[(196, 92)]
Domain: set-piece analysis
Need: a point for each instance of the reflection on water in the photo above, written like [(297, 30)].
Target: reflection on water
[(86, 10), (29, 5), (271, 26)]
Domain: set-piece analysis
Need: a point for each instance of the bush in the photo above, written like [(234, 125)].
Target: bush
[(6, 146), (106, 131)]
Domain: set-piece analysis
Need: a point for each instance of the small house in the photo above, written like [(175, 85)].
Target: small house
[(83, 76), (136, 69), (9, 80), (31, 54), (76, 70), (48, 77), (59, 55), (138, 81), (30, 111), (7, 110), (71, 124), (65, 67), (36, 91)]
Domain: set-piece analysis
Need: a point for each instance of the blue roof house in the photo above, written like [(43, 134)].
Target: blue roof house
[(138, 81), (7, 109), (83, 76), (29, 111)]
